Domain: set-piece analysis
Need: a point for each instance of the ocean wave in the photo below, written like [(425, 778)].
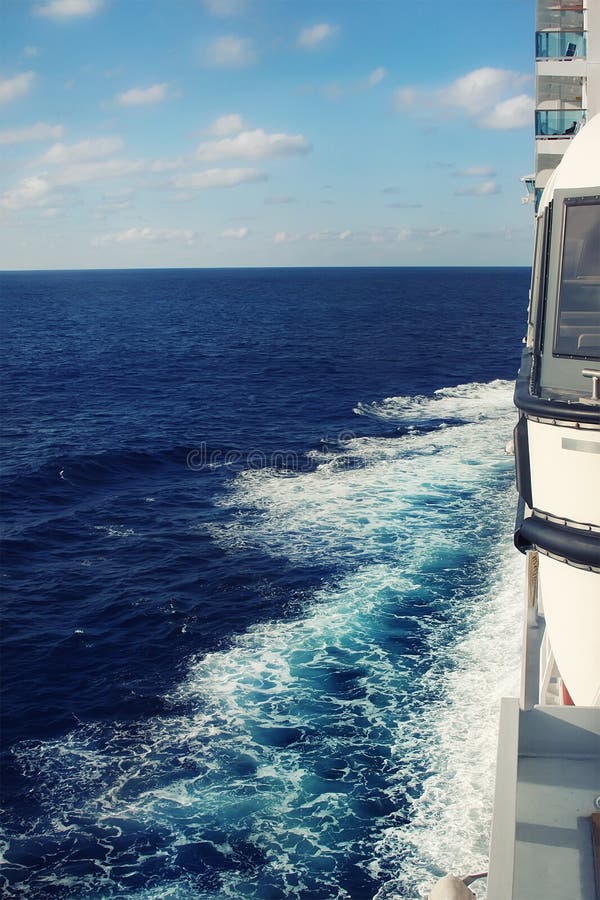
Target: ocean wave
[(313, 754), (54, 479), (400, 491), (453, 739), (465, 402)]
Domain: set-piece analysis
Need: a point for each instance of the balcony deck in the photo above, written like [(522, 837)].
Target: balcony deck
[(548, 779)]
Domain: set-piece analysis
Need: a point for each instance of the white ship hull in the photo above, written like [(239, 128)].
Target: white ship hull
[(571, 608), (565, 471), (547, 801)]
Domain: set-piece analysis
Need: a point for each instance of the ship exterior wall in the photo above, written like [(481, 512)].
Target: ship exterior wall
[(593, 58)]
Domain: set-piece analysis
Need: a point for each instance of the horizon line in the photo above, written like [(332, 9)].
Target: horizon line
[(246, 268)]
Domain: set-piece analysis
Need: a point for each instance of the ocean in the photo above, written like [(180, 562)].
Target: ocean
[(260, 599)]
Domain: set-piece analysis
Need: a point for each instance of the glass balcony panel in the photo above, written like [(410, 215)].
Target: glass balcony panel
[(557, 122), (561, 21), (538, 197), (556, 89), (559, 45), (563, 15)]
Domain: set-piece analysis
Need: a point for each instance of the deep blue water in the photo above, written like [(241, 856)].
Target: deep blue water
[(241, 535)]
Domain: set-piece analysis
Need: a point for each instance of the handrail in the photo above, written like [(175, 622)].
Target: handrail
[(545, 408), (594, 374)]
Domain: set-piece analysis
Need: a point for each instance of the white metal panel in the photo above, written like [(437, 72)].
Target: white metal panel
[(580, 166), (565, 471), (572, 610)]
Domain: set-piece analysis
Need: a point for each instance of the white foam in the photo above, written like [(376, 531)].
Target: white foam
[(454, 739), (294, 732), (398, 493), (467, 402), (115, 530)]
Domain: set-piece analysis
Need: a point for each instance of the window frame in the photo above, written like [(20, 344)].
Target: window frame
[(539, 318), (568, 202)]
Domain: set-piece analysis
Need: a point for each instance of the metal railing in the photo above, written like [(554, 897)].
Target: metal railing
[(560, 44), (557, 123)]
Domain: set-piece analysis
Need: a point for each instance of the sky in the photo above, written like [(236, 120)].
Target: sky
[(193, 133)]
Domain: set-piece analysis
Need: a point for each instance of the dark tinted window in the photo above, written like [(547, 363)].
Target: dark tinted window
[(578, 321)]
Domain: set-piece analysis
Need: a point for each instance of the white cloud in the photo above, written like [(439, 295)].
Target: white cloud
[(279, 199), (312, 37), (430, 234), (13, 88), (225, 125), (476, 172), (94, 148), (283, 237), (30, 51), (217, 178), (97, 170), (68, 166), (390, 236), (236, 233), (329, 235), (376, 236), (376, 76), (143, 96), (115, 201), (480, 89), (166, 165), (31, 192), (146, 235), (230, 52), (483, 189), (38, 132), (435, 233), (336, 90), (516, 112), (223, 9), (484, 95), (406, 97), (68, 9), (253, 145)]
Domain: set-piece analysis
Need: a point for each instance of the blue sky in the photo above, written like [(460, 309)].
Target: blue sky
[(264, 132)]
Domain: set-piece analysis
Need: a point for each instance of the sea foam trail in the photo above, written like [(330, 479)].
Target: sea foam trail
[(455, 740), (334, 754), (466, 402)]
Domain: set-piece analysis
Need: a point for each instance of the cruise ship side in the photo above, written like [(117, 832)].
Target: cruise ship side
[(545, 839), (557, 438), (546, 825)]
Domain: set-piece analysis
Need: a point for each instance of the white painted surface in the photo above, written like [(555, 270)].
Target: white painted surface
[(565, 482), (580, 166), (451, 888), (572, 609)]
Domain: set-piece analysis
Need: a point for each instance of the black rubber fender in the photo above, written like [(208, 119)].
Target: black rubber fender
[(572, 544)]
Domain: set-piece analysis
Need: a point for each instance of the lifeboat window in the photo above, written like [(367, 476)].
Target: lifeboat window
[(578, 320)]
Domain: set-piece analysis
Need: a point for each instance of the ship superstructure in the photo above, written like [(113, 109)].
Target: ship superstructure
[(546, 824), (567, 80), (547, 807), (545, 842)]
